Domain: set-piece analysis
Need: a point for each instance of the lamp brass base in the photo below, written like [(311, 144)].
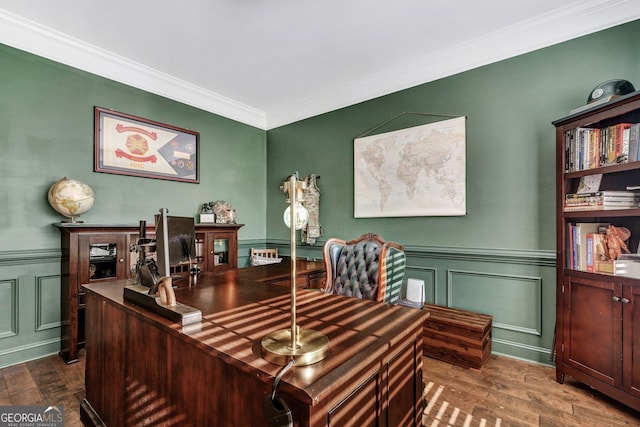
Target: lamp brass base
[(313, 346)]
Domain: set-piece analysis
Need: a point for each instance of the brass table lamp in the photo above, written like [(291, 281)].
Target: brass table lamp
[(303, 346)]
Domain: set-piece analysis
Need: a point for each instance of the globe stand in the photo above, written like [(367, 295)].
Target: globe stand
[(72, 220)]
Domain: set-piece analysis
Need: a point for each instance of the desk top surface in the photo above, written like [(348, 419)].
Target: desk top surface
[(239, 309)]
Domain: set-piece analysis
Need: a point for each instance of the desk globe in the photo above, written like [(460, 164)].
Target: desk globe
[(71, 198)]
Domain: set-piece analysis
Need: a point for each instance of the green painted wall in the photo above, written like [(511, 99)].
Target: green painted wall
[(509, 107), (46, 132), (499, 259)]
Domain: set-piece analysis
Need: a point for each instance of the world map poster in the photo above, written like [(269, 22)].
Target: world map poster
[(418, 171)]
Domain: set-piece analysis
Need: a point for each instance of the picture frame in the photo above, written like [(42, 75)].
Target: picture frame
[(416, 171), (128, 145)]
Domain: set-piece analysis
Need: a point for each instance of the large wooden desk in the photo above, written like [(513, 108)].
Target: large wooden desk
[(309, 274), (144, 369)]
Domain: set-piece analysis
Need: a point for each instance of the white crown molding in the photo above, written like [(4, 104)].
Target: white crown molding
[(31, 37), (585, 17)]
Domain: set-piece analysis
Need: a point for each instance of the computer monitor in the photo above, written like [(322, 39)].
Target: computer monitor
[(175, 241)]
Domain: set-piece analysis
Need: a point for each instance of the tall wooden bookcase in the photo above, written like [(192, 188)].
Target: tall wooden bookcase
[(597, 313), (93, 253)]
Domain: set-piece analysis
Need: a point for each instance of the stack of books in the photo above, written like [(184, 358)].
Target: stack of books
[(601, 200), (627, 265)]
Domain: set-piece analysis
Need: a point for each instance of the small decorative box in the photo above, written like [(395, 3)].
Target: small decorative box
[(207, 217)]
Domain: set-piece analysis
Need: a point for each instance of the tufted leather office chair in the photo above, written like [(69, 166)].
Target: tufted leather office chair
[(366, 268)]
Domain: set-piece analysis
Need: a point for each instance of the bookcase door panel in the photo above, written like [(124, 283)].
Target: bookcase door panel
[(631, 341), (593, 330)]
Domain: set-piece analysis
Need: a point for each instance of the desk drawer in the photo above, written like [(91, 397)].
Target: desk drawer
[(317, 280), (301, 282)]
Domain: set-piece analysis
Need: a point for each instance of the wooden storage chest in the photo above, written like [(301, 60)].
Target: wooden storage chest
[(457, 336)]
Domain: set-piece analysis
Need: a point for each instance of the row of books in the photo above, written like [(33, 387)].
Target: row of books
[(600, 200), (590, 148), (586, 247)]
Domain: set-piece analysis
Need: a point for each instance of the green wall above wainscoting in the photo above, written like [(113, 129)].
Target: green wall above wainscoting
[(510, 145), (499, 259), (46, 132)]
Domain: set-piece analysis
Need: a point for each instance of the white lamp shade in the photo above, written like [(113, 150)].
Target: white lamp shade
[(302, 216)]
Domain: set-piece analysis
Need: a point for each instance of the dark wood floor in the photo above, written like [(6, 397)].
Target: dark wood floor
[(46, 381), (507, 392), (510, 392)]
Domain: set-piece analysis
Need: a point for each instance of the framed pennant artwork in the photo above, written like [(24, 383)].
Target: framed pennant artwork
[(130, 145)]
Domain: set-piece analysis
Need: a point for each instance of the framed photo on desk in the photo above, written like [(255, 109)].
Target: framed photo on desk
[(130, 145)]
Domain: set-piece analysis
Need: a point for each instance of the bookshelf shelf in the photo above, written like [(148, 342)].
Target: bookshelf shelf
[(597, 313), (605, 169), (600, 214)]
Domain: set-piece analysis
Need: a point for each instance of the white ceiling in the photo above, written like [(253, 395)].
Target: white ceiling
[(272, 62)]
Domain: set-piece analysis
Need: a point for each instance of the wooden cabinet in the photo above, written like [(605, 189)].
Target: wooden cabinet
[(593, 329), (220, 249), (597, 312), (96, 253), (631, 342)]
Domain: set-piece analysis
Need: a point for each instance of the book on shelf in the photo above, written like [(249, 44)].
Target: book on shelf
[(600, 207), (614, 147), (589, 183), (594, 149), (604, 146), (568, 146), (626, 127), (595, 251), (615, 140), (623, 194), (601, 200), (610, 157), (590, 251), (605, 266), (572, 247), (634, 146)]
